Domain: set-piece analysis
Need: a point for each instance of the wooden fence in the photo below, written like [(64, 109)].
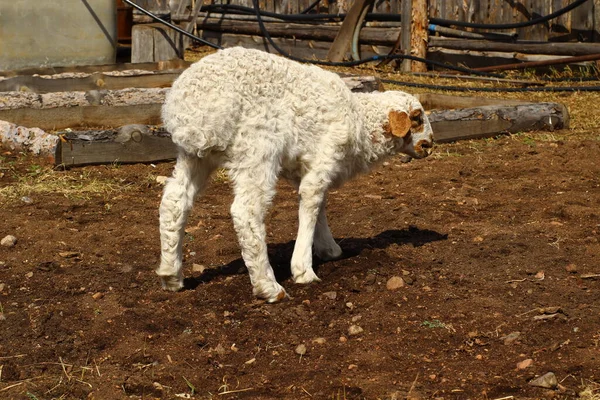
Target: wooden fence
[(581, 24)]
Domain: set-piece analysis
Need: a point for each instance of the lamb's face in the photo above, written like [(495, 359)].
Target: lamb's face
[(410, 130)]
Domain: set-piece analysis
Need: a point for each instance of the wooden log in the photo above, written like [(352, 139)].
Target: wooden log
[(62, 110), (91, 69), (551, 48), (327, 33), (351, 23), (489, 121), (68, 82), (128, 144)]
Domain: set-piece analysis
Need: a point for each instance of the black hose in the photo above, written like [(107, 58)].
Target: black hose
[(310, 7), (224, 8), (174, 27), (491, 89)]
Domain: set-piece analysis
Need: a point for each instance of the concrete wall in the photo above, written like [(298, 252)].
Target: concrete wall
[(57, 33)]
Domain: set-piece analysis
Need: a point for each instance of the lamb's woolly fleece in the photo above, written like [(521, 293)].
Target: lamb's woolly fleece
[(260, 116)]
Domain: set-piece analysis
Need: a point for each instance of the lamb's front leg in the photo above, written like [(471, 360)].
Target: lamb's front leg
[(312, 194)]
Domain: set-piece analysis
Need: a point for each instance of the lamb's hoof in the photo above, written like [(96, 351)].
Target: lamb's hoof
[(281, 296), (307, 276), (172, 283)]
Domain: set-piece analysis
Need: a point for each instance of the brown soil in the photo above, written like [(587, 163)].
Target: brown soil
[(486, 235)]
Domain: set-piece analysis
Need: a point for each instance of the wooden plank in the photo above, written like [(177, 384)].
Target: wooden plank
[(563, 49), (103, 81), (368, 35), (418, 34), (90, 69), (405, 35), (129, 144), (489, 121), (81, 116), (343, 40), (156, 42)]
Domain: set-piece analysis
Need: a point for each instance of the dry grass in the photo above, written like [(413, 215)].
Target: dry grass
[(40, 180)]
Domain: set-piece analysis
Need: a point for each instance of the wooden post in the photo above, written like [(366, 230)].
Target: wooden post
[(418, 38), (406, 14)]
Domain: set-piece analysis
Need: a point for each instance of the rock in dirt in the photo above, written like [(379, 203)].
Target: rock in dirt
[(330, 295), (525, 363), (300, 349), (370, 279), (198, 268), (572, 268), (355, 330), (8, 241), (161, 180), (394, 283), (510, 338), (320, 340), (546, 381)]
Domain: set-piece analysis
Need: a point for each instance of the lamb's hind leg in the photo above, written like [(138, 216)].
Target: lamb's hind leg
[(189, 178), (254, 188), (325, 246), (312, 194)]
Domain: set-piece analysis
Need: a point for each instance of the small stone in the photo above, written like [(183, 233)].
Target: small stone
[(97, 296), (250, 361), (405, 272), (572, 268), (525, 364), (394, 283), (320, 340), (300, 349), (510, 338), (198, 268), (343, 339), (330, 295), (370, 279), (547, 381), (349, 305), (26, 199), (355, 330), (8, 241), (161, 180), (477, 239), (220, 350), (158, 386), (2, 286), (408, 280), (352, 366), (29, 275), (479, 357), (540, 275)]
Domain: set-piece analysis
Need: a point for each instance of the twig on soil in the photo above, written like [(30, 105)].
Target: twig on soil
[(305, 391), (590, 276), (9, 357), (63, 365), (11, 386), (412, 387), (235, 391), (505, 398), (516, 280), (528, 312)]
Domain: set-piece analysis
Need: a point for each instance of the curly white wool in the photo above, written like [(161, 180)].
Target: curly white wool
[(261, 116)]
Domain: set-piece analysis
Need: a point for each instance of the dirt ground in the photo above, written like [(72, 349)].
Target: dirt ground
[(497, 243)]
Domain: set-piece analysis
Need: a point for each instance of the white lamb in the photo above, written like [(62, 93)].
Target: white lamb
[(260, 116)]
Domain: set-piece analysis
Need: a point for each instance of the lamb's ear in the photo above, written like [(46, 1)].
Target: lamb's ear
[(400, 123)]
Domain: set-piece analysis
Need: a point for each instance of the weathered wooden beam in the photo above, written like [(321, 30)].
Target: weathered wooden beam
[(368, 35), (62, 110), (156, 42), (489, 121), (551, 48), (70, 82), (128, 144), (405, 36)]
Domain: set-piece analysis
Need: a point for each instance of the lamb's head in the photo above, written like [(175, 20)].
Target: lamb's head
[(406, 124)]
